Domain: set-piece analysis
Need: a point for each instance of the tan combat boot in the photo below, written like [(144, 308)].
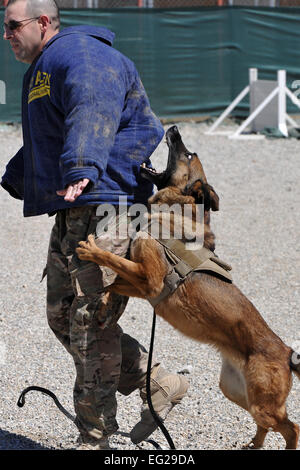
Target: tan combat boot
[(85, 443)]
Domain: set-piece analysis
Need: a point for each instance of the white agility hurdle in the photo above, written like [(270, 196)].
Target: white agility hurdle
[(267, 107)]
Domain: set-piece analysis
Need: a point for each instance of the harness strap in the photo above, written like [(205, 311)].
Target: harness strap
[(171, 282), (186, 260), (183, 261)]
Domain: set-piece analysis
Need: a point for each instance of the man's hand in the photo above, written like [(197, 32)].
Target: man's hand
[(74, 190)]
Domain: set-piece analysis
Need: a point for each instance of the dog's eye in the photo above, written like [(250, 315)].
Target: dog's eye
[(189, 156)]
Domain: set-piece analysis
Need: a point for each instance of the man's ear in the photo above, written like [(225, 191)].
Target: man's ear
[(44, 21)]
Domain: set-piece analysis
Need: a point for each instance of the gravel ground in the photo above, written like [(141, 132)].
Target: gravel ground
[(257, 232)]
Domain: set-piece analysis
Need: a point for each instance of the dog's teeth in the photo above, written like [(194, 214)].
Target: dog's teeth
[(152, 170)]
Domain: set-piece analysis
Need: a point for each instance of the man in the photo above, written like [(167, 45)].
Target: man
[(87, 127)]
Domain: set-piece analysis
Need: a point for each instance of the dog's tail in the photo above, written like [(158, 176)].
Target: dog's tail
[(295, 363)]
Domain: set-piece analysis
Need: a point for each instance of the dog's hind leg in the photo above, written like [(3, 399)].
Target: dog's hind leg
[(258, 440), (268, 385), (290, 432), (233, 386), (232, 383), (288, 429)]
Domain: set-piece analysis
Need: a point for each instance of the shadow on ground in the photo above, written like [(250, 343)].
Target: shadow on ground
[(11, 441)]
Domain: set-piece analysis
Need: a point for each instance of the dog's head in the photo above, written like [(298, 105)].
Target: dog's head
[(184, 171)]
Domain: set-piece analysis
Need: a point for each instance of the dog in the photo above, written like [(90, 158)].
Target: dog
[(257, 365)]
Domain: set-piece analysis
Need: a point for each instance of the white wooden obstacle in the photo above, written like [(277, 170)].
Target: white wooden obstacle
[(2, 92), (267, 107)]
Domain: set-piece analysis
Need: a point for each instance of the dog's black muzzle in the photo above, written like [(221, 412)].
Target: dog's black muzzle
[(177, 151)]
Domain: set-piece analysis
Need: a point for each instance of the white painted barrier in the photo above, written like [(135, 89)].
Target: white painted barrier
[(267, 107)]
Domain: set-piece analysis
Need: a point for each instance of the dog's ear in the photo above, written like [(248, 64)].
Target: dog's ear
[(214, 199), (203, 193)]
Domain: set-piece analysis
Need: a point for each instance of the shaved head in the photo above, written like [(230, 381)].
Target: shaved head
[(41, 7), (29, 25)]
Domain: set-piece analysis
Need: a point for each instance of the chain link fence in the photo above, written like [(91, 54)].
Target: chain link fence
[(170, 3), (174, 3)]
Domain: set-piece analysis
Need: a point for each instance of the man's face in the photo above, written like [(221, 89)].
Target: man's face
[(26, 40)]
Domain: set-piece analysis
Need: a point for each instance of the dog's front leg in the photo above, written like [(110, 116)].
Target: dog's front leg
[(122, 287), (89, 251), (134, 273)]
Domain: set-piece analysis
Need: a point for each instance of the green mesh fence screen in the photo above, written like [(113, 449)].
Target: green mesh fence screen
[(193, 61)]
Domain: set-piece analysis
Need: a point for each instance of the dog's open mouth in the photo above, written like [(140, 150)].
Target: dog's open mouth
[(176, 149), (149, 173), (147, 169)]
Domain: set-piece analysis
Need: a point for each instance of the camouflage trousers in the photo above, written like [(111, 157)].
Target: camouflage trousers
[(84, 318)]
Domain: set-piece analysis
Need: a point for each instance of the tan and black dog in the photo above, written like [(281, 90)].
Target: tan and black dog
[(256, 364)]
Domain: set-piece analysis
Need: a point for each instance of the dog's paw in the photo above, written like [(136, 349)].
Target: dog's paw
[(88, 250), (251, 446)]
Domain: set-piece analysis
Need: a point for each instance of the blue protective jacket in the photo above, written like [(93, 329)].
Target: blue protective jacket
[(85, 114)]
